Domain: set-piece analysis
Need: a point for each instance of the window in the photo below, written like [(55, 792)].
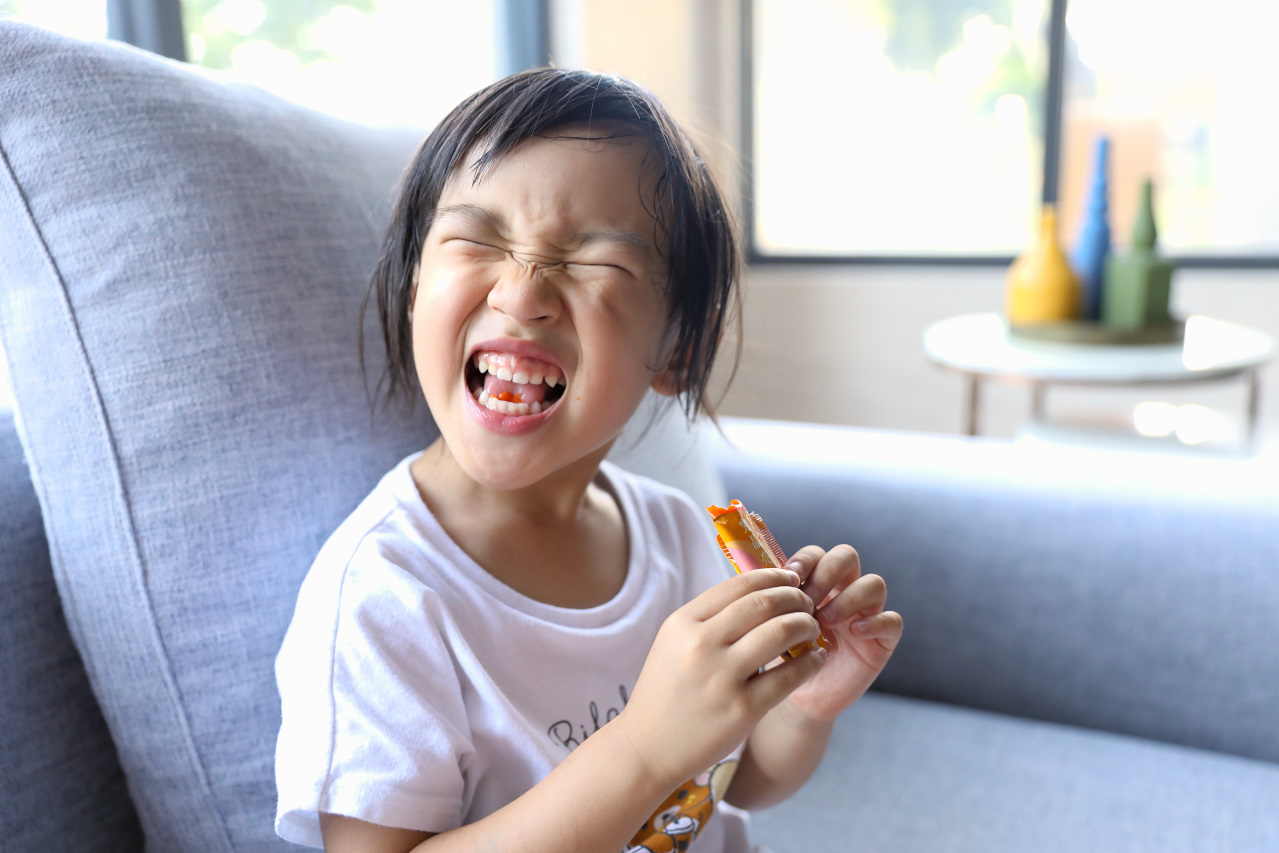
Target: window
[(379, 62), (896, 128), (86, 19), (1199, 122), (920, 130)]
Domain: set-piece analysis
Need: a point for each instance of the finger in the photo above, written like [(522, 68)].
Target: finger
[(750, 611), (770, 687), (885, 628), (805, 560), (840, 566), (866, 596), (768, 641), (721, 595)]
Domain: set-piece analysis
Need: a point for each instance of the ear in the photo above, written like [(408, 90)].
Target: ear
[(666, 383), (413, 290)]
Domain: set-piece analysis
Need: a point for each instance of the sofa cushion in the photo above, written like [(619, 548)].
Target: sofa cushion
[(60, 776), (908, 775), (183, 262)]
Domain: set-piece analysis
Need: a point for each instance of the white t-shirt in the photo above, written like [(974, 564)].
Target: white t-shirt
[(419, 691)]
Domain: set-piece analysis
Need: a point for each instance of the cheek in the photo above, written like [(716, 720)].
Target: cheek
[(440, 313), (634, 312), (628, 350)]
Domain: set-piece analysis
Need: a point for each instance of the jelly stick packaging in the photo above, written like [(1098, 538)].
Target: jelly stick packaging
[(748, 544)]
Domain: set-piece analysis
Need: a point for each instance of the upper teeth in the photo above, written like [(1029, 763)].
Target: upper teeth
[(551, 377)]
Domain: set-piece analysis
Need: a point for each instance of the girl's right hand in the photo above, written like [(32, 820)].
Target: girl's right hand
[(701, 691)]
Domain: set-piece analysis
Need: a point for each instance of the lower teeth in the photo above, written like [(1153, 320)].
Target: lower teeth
[(508, 408)]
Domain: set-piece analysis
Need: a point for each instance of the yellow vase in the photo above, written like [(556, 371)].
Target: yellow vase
[(1042, 288)]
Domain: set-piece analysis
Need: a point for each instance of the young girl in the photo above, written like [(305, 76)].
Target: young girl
[(512, 645)]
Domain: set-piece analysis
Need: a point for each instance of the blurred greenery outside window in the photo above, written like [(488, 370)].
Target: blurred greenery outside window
[(896, 127), (910, 128), (378, 62), (390, 63)]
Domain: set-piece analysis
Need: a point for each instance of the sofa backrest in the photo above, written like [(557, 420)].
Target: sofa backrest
[(1131, 593)]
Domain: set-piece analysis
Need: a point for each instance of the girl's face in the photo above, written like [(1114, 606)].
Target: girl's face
[(538, 316)]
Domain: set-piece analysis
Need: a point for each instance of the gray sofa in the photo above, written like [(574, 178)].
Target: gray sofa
[(1091, 658)]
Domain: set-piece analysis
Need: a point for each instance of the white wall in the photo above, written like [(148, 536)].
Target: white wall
[(841, 344)]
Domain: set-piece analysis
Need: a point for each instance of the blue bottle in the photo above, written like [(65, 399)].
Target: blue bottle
[(1089, 256)]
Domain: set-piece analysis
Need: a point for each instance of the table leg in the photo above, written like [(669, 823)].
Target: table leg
[(1254, 395), (1037, 401), (974, 399)]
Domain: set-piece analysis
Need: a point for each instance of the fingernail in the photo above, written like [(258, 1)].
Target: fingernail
[(861, 626), (795, 566), (828, 613), (822, 654)]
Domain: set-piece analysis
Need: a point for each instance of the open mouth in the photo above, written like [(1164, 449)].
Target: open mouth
[(513, 385)]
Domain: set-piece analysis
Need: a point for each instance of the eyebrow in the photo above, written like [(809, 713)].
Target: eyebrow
[(485, 218), (473, 214), (626, 238)]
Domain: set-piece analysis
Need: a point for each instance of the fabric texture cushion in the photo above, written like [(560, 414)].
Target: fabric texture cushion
[(183, 262), (916, 777), (1133, 594), (63, 786)]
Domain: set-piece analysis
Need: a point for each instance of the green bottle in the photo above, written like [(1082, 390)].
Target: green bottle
[(1138, 284)]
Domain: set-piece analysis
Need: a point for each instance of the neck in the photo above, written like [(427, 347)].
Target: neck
[(553, 501), (561, 540)]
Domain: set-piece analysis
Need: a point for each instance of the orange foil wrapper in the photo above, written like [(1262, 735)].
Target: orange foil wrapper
[(748, 544)]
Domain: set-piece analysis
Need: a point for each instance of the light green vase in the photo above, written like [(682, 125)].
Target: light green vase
[(1138, 284)]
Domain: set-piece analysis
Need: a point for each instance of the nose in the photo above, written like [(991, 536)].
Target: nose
[(525, 294)]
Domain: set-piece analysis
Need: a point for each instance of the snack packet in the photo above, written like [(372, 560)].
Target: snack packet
[(747, 542)]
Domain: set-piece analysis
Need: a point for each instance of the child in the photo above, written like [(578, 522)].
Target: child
[(512, 645)]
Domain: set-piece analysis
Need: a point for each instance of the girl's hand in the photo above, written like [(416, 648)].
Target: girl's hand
[(851, 606), (700, 692)]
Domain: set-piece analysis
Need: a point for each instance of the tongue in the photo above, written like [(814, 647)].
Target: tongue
[(515, 391)]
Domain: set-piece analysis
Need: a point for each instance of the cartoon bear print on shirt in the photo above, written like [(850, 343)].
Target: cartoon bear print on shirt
[(683, 814)]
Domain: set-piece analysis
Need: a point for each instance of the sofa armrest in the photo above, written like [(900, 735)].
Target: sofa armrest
[(1132, 593)]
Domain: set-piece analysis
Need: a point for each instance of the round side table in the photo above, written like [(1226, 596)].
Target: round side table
[(980, 347)]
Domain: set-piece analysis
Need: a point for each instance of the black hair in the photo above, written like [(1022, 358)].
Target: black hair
[(697, 233)]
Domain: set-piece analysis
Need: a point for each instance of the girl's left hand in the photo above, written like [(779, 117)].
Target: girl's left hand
[(851, 606)]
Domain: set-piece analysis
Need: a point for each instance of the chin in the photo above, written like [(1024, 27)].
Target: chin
[(506, 481), (500, 472)]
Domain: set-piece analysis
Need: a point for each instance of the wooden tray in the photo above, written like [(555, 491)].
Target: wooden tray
[(1086, 332)]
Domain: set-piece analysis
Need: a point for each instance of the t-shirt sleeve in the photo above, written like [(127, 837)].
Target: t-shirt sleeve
[(374, 723), (685, 529)]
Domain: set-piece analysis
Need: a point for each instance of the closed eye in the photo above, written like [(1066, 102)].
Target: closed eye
[(470, 246), (600, 266), (474, 243)]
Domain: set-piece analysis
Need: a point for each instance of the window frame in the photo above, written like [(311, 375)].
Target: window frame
[(154, 25), (1053, 113)]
